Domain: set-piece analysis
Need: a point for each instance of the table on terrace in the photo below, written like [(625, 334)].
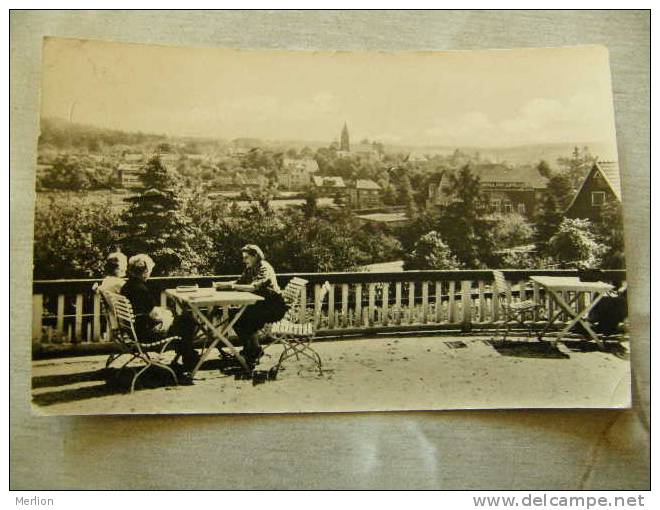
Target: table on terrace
[(201, 303), (565, 291)]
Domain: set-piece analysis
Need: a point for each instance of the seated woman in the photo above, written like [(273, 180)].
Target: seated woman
[(115, 270), (151, 321), (259, 277)]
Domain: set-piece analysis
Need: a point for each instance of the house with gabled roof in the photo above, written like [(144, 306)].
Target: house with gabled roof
[(601, 185)]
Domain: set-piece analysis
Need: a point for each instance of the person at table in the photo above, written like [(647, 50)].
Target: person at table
[(152, 321), (258, 277), (115, 271)]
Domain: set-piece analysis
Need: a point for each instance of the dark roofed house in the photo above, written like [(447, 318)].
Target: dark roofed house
[(328, 184), (508, 189), (365, 194), (601, 186)]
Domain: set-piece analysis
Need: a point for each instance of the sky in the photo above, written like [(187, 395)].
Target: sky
[(478, 98)]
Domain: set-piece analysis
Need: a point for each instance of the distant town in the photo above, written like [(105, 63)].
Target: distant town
[(362, 173), (391, 189)]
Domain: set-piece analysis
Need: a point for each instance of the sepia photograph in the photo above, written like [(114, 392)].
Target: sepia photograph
[(251, 231)]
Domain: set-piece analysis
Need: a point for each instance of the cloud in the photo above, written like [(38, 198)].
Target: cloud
[(540, 120)]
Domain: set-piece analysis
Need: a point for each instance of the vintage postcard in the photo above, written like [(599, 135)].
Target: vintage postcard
[(225, 231)]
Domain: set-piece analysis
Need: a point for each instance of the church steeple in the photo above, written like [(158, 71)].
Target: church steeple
[(344, 144)]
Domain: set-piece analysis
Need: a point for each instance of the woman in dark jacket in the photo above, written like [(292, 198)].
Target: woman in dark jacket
[(152, 321), (258, 277)]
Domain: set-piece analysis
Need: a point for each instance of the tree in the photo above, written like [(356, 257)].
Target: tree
[(553, 204), (65, 174), (72, 238), (544, 169), (511, 230), (576, 244), (577, 165), (205, 216), (155, 224), (611, 234), (406, 194), (431, 252), (388, 194), (462, 223), (310, 207)]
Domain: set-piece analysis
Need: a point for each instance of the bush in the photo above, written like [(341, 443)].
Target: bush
[(575, 244), (431, 252), (72, 238)]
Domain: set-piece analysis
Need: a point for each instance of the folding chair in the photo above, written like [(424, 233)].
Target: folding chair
[(112, 325), (514, 312), (295, 331), (127, 339)]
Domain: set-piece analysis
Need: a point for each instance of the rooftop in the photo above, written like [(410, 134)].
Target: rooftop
[(384, 217), (498, 173), (307, 164), (366, 184), (334, 182), (611, 172)]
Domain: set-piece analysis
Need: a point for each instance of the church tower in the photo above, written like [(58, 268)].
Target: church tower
[(344, 144)]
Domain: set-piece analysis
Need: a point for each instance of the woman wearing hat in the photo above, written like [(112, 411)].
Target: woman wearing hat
[(258, 277)]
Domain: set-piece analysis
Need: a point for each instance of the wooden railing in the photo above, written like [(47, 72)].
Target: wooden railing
[(69, 312)]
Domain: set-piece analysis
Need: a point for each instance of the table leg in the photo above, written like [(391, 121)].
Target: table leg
[(551, 319), (219, 336), (577, 318)]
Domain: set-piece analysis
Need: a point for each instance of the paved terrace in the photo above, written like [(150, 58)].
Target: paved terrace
[(368, 374)]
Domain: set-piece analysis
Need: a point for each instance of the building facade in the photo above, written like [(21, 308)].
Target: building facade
[(297, 173), (365, 194), (507, 189)]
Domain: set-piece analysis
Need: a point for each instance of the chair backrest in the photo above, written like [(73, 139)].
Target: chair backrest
[(296, 319), (500, 286), (293, 296), (110, 316), (123, 311)]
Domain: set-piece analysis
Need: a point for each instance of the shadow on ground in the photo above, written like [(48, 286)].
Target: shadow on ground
[(116, 381), (111, 381), (615, 348), (527, 349)]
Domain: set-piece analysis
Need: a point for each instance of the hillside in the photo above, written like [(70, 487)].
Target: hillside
[(63, 134)]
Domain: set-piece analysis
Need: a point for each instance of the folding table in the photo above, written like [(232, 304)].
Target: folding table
[(556, 286), (201, 303)]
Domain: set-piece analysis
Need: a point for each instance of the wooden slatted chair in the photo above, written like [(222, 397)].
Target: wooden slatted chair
[(149, 353), (112, 332), (514, 312), (297, 329)]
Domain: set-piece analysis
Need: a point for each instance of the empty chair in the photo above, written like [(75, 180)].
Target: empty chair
[(149, 353), (514, 312), (297, 329)]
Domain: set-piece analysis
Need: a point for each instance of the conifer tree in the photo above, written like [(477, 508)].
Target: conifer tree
[(155, 223), (463, 224)]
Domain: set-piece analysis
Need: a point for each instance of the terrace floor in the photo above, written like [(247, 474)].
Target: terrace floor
[(366, 374)]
